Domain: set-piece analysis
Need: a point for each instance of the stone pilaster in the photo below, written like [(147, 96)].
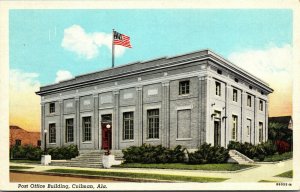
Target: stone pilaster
[(225, 132), (139, 115), (116, 127), (96, 132), (43, 126), (62, 127), (166, 114), (204, 115), (256, 123), (78, 124), (266, 132)]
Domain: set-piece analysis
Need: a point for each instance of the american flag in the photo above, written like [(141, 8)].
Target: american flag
[(121, 39)]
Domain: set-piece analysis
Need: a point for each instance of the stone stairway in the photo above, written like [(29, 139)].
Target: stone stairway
[(239, 158), (90, 159)]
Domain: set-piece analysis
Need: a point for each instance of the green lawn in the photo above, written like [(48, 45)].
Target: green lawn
[(139, 175), (279, 157), (19, 167), (25, 161), (267, 181), (209, 167), (288, 174)]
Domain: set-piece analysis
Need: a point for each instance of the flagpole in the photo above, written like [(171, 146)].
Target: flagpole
[(113, 49)]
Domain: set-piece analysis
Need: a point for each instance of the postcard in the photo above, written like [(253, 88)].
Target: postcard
[(149, 95)]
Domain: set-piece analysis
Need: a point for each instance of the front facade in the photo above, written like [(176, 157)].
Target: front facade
[(183, 100)]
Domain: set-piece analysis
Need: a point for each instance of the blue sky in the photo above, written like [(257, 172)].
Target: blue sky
[(153, 33)]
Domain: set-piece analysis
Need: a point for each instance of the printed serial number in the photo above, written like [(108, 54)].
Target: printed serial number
[(283, 184)]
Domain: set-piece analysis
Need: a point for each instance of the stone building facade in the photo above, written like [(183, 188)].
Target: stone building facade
[(181, 100)]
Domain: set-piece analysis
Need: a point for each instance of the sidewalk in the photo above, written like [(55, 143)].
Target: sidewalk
[(261, 172)]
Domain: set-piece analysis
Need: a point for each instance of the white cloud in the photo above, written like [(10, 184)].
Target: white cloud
[(24, 103), (274, 66), (87, 45), (63, 75)]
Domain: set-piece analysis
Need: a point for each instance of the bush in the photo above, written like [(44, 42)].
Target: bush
[(208, 154), (153, 154), (259, 151), (26, 152), (282, 146), (64, 152)]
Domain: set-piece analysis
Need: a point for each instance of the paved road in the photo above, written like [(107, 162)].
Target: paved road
[(261, 172), (25, 177)]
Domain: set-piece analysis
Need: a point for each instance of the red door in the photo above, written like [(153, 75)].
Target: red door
[(106, 136)]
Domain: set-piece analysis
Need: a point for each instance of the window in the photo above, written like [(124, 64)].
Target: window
[(236, 80), (153, 123), (39, 143), (18, 142), (52, 108), (218, 88), (235, 95), (128, 125), (86, 129), (219, 71), (249, 101), (260, 132), (234, 127), (248, 127), (184, 87), (69, 130), (52, 133), (261, 106)]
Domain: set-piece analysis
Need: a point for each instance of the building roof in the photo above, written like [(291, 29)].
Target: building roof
[(284, 120), (147, 66)]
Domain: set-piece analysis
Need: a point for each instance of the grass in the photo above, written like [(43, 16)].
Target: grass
[(139, 175), (19, 167), (279, 157), (288, 174), (267, 181), (209, 167), (25, 161)]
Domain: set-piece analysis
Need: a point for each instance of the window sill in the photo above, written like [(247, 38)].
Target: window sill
[(152, 139), (87, 142), (183, 139), (184, 95), (52, 143), (127, 141)]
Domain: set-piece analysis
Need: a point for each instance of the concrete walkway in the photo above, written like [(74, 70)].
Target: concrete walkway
[(261, 172)]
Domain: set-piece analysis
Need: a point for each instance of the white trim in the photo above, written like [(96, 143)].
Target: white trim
[(179, 108), (127, 109), (183, 139)]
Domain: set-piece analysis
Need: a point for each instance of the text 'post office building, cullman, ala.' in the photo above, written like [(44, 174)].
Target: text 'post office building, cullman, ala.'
[(182, 100)]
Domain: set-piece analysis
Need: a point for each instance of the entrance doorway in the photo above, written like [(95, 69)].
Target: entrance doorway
[(106, 126), (217, 133)]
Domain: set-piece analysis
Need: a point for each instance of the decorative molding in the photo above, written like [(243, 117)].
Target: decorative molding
[(153, 91), (128, 96), (178, 108)]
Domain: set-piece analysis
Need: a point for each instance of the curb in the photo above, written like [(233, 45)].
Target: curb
[(272, 162), (193, 170)]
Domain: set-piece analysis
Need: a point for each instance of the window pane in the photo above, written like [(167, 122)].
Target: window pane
[(128, 119), (86, 129), (153, 123)]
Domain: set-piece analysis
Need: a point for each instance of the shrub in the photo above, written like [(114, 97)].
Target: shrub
[(64, 152), (259, 151), (208, 154), (282, 146), (26, 152), (153, 154)]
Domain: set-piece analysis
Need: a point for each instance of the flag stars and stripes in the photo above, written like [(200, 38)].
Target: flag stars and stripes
[(121, 39)]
